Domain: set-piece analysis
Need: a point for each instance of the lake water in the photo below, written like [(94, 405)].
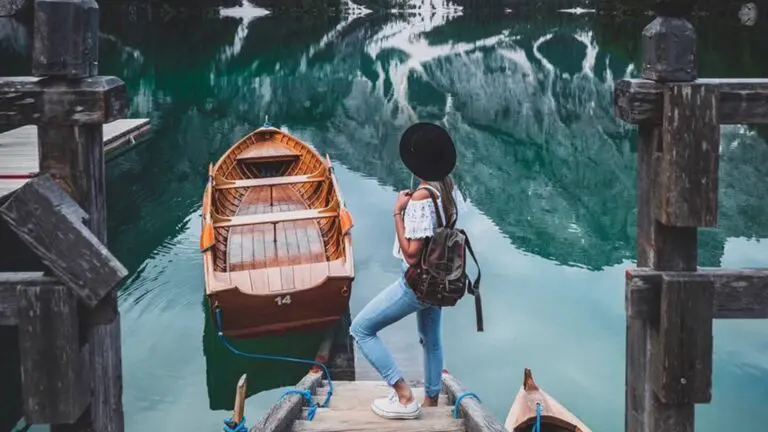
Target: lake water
[(547, 170)]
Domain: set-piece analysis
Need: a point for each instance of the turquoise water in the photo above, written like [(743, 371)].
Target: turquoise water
[(547, 170)]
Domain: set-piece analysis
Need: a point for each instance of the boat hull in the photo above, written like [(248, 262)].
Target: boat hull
[(247, 316), (551, 414)]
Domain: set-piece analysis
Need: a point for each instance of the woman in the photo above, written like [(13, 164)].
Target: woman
[(428, 152)]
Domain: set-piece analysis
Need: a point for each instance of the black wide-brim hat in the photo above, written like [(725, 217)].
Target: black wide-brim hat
[(428, 151)]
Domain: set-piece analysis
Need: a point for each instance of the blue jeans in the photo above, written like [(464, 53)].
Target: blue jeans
[(391, 305)]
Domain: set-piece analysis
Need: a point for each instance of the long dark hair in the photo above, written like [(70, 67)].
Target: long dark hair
[(445, 186)]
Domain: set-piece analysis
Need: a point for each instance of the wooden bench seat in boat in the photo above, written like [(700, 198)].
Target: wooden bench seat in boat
[(275, 279), (222, 183), (269, 151), (273, 218)]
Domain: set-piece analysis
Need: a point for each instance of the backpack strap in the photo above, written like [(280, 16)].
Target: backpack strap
[(474, 288), (431, 192)]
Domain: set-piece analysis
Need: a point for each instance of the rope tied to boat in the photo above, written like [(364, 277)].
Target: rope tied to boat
[(310, 400), (307, 394), (458, 401), (537, 425), (240, 427)]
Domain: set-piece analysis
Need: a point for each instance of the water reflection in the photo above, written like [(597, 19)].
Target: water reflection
[(224, 368), (529, 101)]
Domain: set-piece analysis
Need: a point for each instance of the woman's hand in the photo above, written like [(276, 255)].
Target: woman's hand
[(402, 200)]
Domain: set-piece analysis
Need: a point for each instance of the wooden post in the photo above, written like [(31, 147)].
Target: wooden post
[(66, 51), (669, 348), (238, 412)]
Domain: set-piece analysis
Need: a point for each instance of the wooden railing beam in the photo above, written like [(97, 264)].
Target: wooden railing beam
[(738, 294), (740, 100), (40, 101)]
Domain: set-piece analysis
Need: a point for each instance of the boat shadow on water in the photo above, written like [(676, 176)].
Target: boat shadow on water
[(223, 367)]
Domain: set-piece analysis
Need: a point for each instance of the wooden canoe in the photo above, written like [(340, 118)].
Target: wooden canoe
[(276, 242), (554, 417)]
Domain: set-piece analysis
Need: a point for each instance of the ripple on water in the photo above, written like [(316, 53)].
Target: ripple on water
[(170, 278)]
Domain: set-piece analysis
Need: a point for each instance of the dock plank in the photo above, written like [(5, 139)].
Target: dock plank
[(349, 410), (437, 419), (20, 158), (8, 186), (357, 395)]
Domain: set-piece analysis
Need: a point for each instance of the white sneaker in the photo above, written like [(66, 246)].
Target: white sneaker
[(391, 408)]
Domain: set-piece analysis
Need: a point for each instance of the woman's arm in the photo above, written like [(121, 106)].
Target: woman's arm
[(411, 248)]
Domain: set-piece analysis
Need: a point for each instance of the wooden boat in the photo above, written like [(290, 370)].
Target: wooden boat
[(276, 242), (554, 417)]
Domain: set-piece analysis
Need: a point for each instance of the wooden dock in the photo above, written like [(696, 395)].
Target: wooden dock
[(349, 408), (19, 154)]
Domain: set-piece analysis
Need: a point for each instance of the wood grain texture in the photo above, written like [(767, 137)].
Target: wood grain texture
[(359, 396), (74, 157), (289, 244), (107, 407), (682, 373), (238, 413), (69, 45), (283, 414), (50, 223), (740, 100), (275, 218), (268, 181), (688, 176), (737, 294), (95, 100), (269, 150), (649, 137), (669, 50), (20, 156), (278, 245), (11, 7), (476, 416), (675, 250), (437, 419), (668, 55), (70, 114), (532, 403), (10, 283), (55, 376), (638, 391)]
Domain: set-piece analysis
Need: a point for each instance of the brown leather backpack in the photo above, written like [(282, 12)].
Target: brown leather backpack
[(439, 277)]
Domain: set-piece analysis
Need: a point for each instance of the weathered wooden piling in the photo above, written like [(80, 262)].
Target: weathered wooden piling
[(670, 302), (67, 317), (11, 7)]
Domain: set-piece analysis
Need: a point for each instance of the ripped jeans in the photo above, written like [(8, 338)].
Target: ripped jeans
[(391, 305)]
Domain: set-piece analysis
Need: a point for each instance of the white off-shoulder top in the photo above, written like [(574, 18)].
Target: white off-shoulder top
[(420, 219)]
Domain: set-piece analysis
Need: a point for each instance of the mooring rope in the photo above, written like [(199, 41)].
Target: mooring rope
[(458, 401), (240, 427), (306, 393), (310, 400), (537, 426)]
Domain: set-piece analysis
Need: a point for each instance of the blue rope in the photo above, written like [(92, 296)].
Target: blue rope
[(308, 396), (458, 401), (537, 426), (240, 427), (306, 393)]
